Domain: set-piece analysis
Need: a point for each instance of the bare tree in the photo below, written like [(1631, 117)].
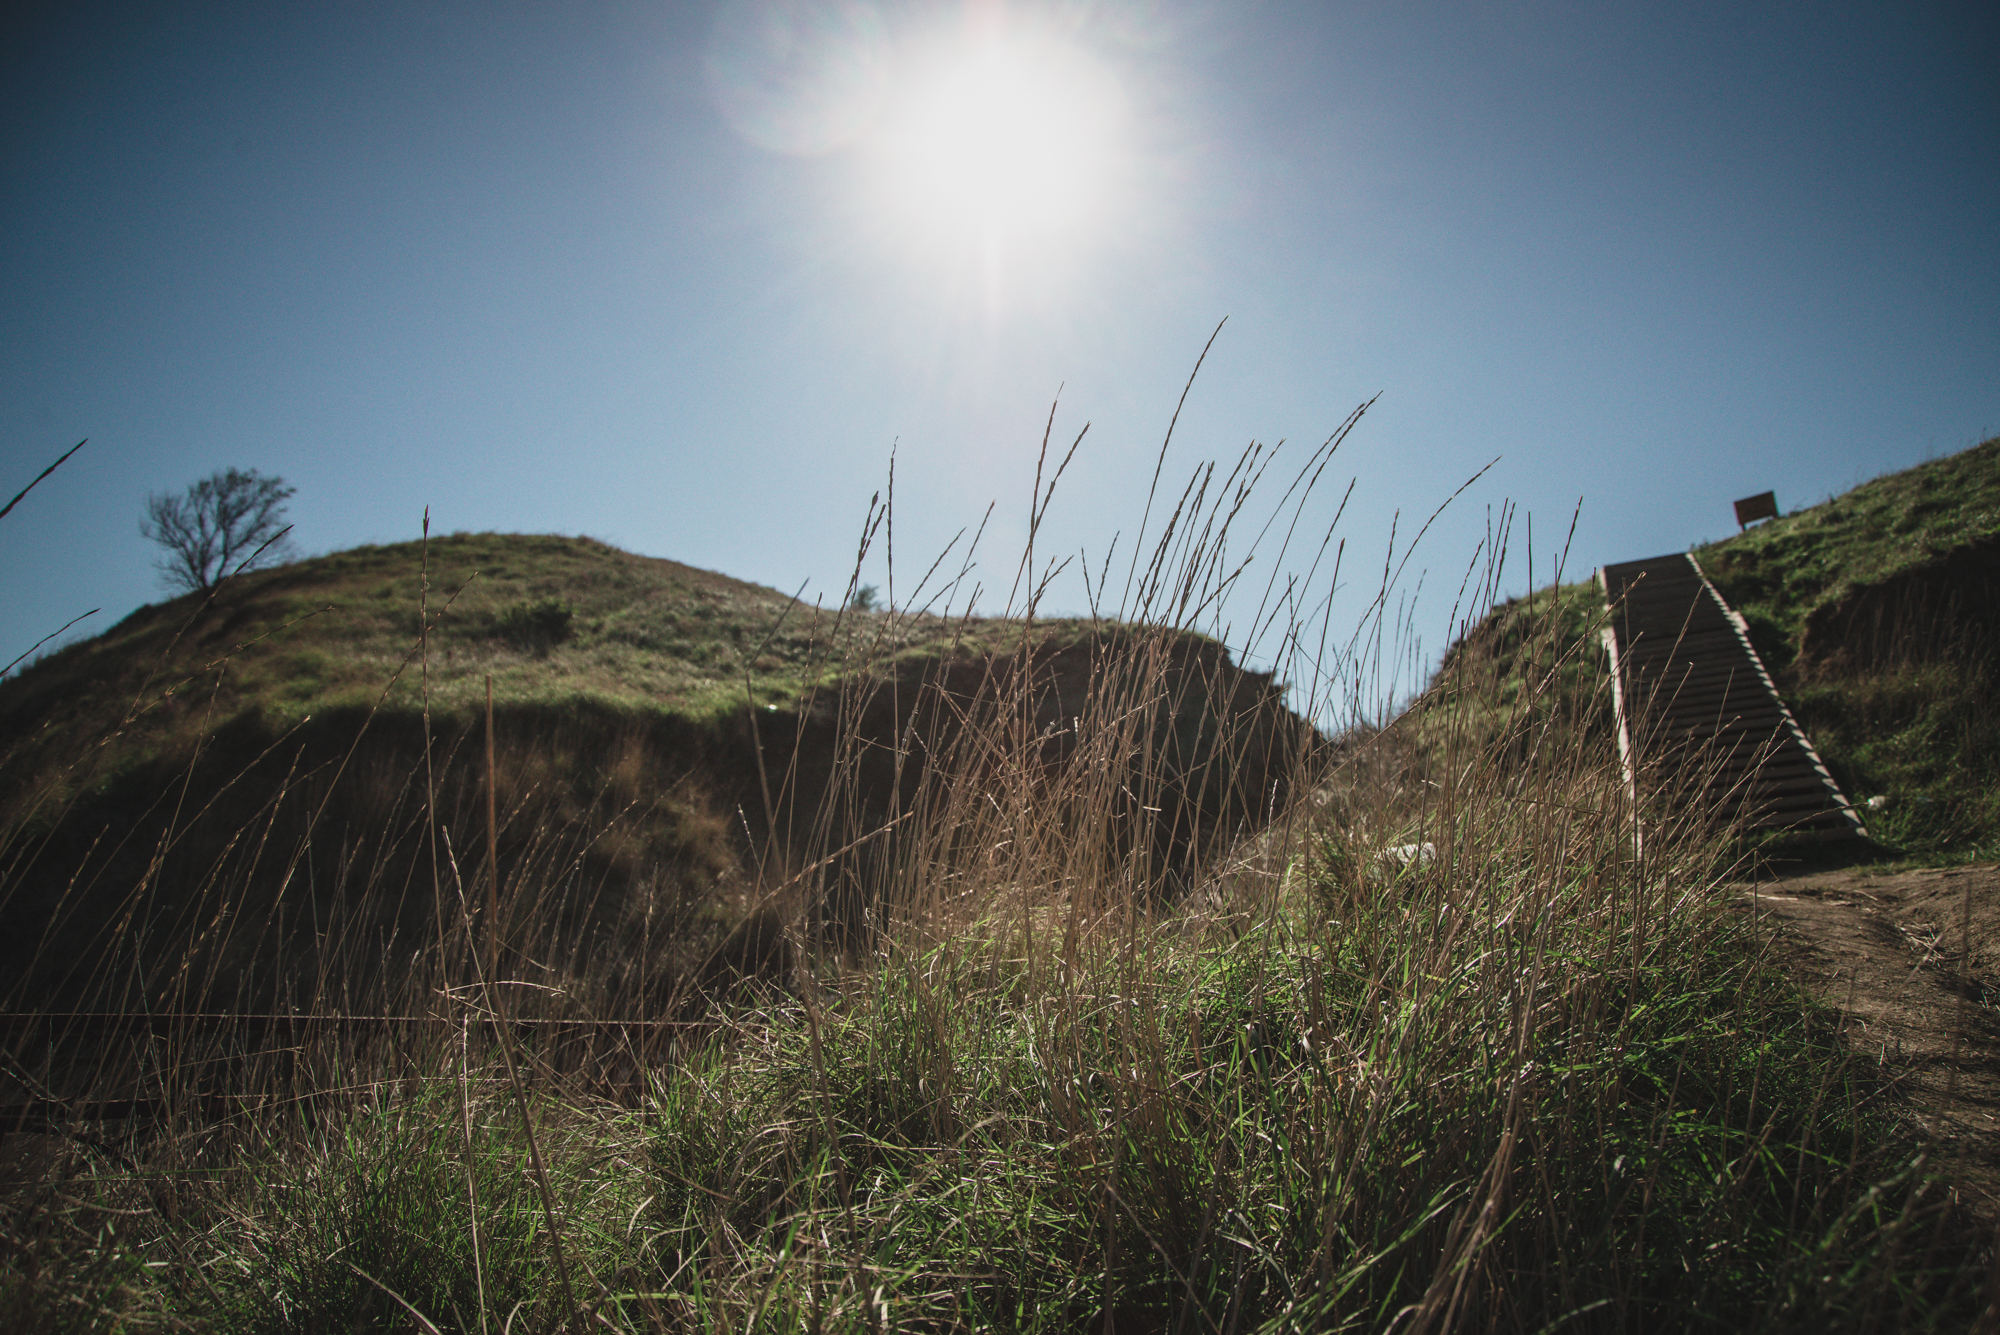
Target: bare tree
[(226, 522)]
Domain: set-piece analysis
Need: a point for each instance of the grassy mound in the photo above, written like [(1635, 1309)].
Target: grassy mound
[(268, 793), (333, 706), (550, 618), (1876, 611)]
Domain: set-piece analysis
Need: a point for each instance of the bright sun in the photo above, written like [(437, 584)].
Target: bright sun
[(1008, 139)]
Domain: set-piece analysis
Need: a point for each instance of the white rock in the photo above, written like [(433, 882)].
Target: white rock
[(1411, 855)]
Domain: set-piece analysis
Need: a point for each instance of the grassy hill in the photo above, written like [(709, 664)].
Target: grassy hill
[(550, 618), (1877, 612), (665, 738)]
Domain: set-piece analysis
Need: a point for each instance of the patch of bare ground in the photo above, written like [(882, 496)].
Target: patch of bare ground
[(1911, 960)]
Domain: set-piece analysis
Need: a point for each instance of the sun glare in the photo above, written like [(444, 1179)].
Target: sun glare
[(1003, 140)]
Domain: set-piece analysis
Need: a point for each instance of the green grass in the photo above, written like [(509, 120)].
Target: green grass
[(332, 630), (1536, 1084), (1539, 652), (379, 1213), (1245, 1134)]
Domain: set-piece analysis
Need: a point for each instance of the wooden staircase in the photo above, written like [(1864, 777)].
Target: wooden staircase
[(1698, 716)]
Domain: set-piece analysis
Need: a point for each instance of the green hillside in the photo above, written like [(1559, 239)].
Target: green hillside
[(550, 618), (1876, 611), (665, 737), (293, 702)]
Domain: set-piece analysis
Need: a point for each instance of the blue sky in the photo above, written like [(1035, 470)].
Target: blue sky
[(666, 274)]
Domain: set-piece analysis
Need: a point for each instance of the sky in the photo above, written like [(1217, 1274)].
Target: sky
[(682, 276)]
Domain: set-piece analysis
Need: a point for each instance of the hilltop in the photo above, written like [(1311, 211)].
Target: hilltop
[(550, 618), (1876, 612)]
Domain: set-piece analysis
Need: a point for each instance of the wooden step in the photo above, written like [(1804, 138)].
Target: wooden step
[(1697, 714)]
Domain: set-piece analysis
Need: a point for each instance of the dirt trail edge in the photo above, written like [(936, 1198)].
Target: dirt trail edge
[(1909, 959)]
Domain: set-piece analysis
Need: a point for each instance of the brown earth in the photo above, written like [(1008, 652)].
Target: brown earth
[(1911, 960)]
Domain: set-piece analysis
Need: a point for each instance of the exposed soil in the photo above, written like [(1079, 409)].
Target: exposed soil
[(1912, 961), (1942, 608)]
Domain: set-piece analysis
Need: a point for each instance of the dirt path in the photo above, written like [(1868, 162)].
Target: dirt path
[(1912, 959)]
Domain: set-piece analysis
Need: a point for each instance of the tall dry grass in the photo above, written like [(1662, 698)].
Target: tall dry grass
[(1094, 992)]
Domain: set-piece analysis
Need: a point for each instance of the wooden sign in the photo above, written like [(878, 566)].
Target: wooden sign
[(1753, 508)]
